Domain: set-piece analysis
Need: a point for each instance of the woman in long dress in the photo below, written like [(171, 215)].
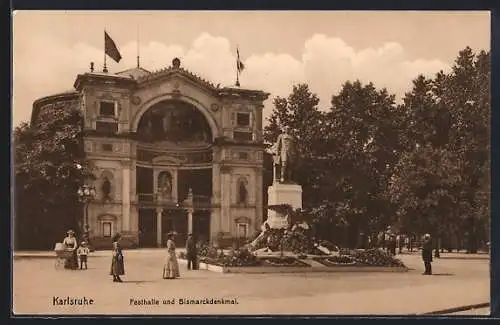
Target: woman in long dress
[(171, 267), (117, 264), (71, 245)]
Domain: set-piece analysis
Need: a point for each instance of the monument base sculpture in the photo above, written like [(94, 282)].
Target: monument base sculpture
[(278, 194)]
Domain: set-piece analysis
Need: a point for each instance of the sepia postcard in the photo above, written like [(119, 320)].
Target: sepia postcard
[(251, 162)]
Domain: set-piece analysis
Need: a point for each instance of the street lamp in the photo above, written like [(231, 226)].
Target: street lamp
[(86, 193)]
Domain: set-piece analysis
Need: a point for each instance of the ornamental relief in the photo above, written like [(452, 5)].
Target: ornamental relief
[(118, 147), (174, 157), (226, 154), (106, 96), (88, 145)]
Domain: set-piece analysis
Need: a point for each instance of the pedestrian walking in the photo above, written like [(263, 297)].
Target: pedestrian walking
[(427, 254), (171, 266), (117, 263), (191, 253), (83, 252)]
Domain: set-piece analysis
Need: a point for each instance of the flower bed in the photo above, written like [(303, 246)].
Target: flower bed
[(283, 262), (239, 257), (229, 261)]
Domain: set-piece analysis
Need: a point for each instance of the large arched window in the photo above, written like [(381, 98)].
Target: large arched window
[(175, 121)]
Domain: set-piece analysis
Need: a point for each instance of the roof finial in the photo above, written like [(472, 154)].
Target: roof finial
[(176, 63)]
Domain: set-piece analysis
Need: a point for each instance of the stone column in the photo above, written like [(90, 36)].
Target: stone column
[(159, 213), (216, 183), (175, 190), (215, 216), (258, 121), (259, 184), (126, 196), (190, 221), (226, 199)]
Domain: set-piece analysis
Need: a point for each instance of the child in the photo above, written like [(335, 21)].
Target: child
[(83, 252)]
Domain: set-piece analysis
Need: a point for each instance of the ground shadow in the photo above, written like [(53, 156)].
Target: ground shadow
[(137, 281), (443, 274)]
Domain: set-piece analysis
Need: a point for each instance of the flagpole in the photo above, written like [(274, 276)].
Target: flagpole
[(105, 69), (237, 66), (138, 55)]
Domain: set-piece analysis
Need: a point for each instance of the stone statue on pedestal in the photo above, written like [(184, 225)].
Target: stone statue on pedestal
[(284, 152)]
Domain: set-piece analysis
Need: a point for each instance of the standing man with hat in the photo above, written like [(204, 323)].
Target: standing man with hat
[(191, 253), (427, 254)]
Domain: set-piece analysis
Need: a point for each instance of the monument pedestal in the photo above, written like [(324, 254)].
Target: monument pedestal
[(278, 194)]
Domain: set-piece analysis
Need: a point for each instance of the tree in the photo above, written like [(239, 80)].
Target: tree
[(425, 188), (49, 166), (365, 129), (469, 102), (448, 121)]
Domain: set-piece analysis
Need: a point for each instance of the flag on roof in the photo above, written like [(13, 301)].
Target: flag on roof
[(110, 48), (239, 65)]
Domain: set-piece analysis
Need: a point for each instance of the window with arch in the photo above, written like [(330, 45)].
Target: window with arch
[(106, 224), (107, 229), (242, 191)]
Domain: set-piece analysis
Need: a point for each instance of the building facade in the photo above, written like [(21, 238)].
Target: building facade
[(171, 152)]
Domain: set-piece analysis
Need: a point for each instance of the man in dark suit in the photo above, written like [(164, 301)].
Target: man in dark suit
[(427, 254), (191, 253)]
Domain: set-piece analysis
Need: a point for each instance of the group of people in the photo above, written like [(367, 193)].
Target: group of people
[(79, 253)]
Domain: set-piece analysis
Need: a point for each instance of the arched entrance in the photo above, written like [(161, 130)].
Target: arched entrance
[(174, 159)]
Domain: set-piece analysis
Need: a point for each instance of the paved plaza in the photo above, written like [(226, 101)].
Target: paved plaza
[(456, 283)]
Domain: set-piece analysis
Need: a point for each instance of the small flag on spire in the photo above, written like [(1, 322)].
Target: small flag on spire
[(239, 65), (110, 48)]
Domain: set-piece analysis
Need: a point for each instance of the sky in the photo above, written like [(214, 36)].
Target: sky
[(279, 48)]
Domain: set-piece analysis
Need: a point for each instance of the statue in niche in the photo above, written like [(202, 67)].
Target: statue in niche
[(165, 184), (242, 193), (106, 189)]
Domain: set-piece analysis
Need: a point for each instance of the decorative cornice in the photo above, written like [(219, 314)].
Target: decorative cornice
[(172, 70), (240, 93), (102, 79), (126, 163), (225, 141), (224, 169)]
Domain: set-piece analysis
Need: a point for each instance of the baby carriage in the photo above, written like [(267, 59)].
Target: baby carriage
[(62, 255)]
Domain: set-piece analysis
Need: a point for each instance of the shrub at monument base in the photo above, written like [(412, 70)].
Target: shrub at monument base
[(376, 257)]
